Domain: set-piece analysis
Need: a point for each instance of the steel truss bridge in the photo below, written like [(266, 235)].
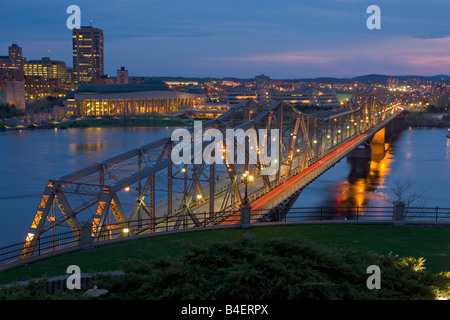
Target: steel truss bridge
[(145, 185)]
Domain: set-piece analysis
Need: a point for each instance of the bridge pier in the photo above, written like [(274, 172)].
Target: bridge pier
[(361, 153), (374, 149), (378, 145)]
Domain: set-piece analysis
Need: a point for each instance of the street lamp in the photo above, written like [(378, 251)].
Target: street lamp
[(247, 178)]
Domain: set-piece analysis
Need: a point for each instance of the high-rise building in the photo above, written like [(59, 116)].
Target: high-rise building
[(13, 61), (87, 45), (5, 63), (15, 54), (122, 76)]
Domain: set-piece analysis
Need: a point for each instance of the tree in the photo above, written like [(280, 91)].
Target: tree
[(405, 192), (10, 111)]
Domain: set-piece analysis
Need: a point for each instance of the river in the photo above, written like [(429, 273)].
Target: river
[(29, 158), (419, 155)]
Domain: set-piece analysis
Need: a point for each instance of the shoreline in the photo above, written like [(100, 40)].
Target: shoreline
[(105, 123), (414, 119), (428, 120)]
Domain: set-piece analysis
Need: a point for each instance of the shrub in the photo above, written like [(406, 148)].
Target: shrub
[(251, 269), (274, 269)]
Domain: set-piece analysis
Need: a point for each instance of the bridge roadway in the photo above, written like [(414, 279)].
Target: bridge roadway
[(271, 199)]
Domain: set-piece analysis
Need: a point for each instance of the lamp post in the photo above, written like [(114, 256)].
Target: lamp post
[(247, 178), (245, 208)]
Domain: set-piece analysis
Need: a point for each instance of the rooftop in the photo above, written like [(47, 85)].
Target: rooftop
[(150, 85)]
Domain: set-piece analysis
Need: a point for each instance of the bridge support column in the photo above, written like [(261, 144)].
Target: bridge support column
[(361, 153), (399, 213), (380, 137), (245, 216), (378, 145)]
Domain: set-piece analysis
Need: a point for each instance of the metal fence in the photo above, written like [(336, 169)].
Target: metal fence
[(324, 213), (58, 242), (435, 214), (43, 245)]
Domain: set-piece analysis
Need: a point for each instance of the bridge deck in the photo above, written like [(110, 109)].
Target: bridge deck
[(275, 196)]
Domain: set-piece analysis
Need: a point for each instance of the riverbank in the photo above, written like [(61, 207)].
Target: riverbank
[(151, 121), (107, 122), (432, 120)]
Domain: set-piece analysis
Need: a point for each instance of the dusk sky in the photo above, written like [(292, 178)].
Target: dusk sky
[(284, 39)]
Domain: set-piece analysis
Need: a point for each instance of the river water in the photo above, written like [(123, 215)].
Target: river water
[(418, 155), (29, 158)]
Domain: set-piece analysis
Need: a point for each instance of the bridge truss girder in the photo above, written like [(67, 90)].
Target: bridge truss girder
[(145, 181)]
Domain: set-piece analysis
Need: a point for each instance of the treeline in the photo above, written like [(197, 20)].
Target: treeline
[(437, 109), (425, 120), (10, 111)]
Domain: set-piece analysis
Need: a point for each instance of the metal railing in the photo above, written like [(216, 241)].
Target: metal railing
[(44, 245), (11, 254), (435, 214), (324, 213)]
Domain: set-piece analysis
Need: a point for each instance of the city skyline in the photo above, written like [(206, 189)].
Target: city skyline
[(283, 40)]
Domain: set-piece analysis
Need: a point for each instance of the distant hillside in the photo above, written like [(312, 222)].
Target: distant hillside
[(370, 78), (373, 78)]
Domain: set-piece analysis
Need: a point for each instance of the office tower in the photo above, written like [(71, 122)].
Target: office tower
[(15, 54), (87, 44), (47, 69), (122, 76), (5, 63)]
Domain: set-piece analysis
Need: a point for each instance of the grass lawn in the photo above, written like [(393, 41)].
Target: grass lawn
[(433, 244)]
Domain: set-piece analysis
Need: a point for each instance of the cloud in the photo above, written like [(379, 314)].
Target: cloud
[(281, 58), (389, 55), (434, 35)]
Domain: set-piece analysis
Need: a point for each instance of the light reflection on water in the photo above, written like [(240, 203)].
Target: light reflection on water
[(419, 154), (77, 148)]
